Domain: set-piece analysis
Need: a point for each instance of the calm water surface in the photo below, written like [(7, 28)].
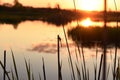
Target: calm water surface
[(33, 40)]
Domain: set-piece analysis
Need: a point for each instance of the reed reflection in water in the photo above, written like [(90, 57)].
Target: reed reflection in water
[(34, 40)]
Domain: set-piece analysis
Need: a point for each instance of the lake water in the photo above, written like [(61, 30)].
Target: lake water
[(32, 40)]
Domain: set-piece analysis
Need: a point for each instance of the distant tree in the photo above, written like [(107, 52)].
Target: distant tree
[(57, 6), (17, 4), (7, 5), (15, 26)]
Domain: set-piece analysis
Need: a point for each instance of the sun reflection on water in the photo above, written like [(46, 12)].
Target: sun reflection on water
[(87, 22)]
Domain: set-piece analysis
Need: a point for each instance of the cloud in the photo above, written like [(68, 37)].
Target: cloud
[(47, 47)]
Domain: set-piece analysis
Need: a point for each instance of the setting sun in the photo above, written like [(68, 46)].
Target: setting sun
[(90, 5), (87, 22)]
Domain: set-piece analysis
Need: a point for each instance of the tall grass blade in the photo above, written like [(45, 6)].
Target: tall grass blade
[(58, 56), (70, 69), (44, 69), (83, 72), (76, 54), (96, 52), (84, 62), (5, 70), (15, 67), (100, 66), (74, 4), (95, 66), (118, 71), (4, 78), (105, 41), (95, 72), (78, 73), (111, 55), (69, 53), (78, 47), (28, 70), (111, 62), (61, 70), (114, 71), (108, 70), (13, 78), (117, 24), (87, 74)]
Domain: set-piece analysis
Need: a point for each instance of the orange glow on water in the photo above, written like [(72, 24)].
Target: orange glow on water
[(87, 22)]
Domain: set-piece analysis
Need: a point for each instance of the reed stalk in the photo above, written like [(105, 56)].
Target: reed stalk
[(84, 64), (44, 69), (83, 72), (74, 4), (118, 70), (76, 54), (108, 70), (78, 47), (105, 40), (95, 72), (15, 67), (13, 78), (87, 74), (78, 73), (4, 78), (101, 60), (59, 67), (28, 69), (61, 70), (5, 70), (95, 65), (70, 69), (111, 59), (116, 43), (114, 70), (71, 63)]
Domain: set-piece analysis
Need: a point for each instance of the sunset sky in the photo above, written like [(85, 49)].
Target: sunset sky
[(80, 4)]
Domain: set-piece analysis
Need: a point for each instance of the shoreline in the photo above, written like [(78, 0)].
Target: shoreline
[(15, 15)]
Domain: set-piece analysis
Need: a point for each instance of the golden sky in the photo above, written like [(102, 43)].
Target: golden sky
[(80, 4)]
